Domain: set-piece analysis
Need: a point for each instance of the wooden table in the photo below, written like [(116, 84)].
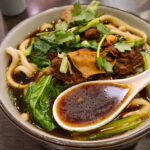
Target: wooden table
[(11, 138)]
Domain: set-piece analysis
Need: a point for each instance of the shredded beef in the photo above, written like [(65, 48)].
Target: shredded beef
[(128, 62)]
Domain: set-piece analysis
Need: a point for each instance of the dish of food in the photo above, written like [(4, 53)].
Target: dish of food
[(80, 46)]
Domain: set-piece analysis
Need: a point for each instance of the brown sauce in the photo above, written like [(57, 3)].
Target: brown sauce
[(88, 104)]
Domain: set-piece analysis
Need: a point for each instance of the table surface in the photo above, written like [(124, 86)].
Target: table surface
[(11, 138)]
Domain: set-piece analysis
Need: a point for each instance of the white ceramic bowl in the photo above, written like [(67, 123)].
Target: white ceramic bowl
[(14, 37)]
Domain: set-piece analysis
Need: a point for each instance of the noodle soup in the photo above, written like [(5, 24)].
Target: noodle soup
[(80, 46)]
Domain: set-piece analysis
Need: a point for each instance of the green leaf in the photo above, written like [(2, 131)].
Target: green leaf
[(122, 47), (38, 102), (107, 66), (61, 26), (77, 9), (40, 45), (56, 89), (104, 65), (81, 16), (104, 30), (62, 37), (117, 127), (49, 38), (40, 61), (111, 129)]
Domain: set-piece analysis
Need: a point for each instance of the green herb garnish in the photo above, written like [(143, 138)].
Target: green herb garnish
[(122, 47)]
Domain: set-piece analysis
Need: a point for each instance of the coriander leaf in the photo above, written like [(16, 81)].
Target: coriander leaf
[(82, 16), (93, 44), (104, 30), (77, 9), (40, 45), (40, 61), (122, 47), (93, 6), (104, 64), (38, 102), (62, 37), (107, 66), (49, 38), (61, 26), (89, 44)]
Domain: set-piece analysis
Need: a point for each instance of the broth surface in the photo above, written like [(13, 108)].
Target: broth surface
[(90, 103)]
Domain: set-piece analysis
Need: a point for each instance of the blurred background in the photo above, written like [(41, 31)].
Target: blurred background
[(11, 138)]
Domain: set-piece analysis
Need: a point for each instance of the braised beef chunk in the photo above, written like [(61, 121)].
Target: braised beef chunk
[(128, 62), (91, 34), (68, 78), (112, 51)]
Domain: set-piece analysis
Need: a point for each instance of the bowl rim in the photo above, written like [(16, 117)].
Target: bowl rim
[(66, 142)]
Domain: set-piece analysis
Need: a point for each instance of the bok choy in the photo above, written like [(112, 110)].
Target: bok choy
[(113, 128), (37, 100)]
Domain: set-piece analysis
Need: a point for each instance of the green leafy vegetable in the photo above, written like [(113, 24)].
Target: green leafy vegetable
[(111, 129), (49, 38), (89, 44), (40, 45), (77, 9), (122, 47), (42, 62), (118, 127), (81, 16), (62, 37), (104, 64), (103, 29), (61, 26), (56, 89), (38, 52), (38, 102)]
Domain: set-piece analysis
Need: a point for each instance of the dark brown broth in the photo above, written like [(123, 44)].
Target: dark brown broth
[(90, 103)]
